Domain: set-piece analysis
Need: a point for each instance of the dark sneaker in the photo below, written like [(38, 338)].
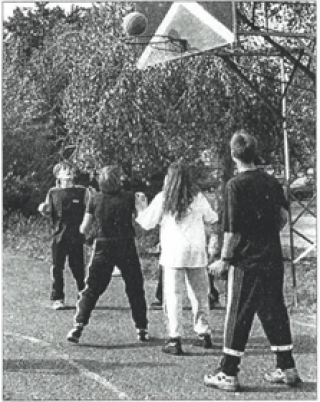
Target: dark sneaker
[(222, 381), (204, 341), (143, 335), (75, 334), (156, 305), (173, 347), (288, 376)]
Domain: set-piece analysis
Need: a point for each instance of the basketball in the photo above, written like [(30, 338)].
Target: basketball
[(134, 24)]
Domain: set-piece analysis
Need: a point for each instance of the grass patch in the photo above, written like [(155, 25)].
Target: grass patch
[(306, 280), (32, 238)]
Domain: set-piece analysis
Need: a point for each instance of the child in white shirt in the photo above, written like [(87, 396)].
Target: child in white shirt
[(182, 211)]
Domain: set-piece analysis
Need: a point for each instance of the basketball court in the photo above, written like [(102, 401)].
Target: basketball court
[(109, 363)]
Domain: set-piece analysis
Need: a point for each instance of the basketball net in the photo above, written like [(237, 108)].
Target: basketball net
[(162, 43)]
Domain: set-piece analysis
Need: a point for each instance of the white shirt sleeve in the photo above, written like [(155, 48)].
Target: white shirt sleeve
[(151, 216), (209, 215)]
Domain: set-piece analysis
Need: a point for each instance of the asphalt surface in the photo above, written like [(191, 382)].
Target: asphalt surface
[(110, 363)]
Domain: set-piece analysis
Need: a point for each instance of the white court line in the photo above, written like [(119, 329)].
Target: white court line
[(82, 370)]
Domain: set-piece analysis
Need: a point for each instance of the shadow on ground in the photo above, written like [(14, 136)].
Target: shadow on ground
[(308, 386)]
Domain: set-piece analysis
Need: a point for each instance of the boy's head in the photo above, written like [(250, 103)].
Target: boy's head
[(65, 173), (243, 147), (110, 179)]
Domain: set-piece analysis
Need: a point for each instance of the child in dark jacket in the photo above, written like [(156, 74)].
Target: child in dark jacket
[(112, 209), (65, 204)]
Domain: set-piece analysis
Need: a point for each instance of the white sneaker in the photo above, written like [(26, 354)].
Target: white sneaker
[(58, 305), (288, 376), (222, 381), (143, 335)]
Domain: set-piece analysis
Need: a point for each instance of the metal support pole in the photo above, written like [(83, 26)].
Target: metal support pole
[(287, 178)]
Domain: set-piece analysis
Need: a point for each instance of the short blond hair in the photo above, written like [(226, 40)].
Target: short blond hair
[(66, 168)]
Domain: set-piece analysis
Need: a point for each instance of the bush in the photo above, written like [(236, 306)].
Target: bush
[(21, 194), (30, 235)]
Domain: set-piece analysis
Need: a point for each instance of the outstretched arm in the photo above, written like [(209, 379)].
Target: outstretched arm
[(141, 202), (150, 217), (45, 207)]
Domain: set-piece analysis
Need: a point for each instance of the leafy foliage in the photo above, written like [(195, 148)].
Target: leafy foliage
[(71, 90), (32, 91), (20, 193)]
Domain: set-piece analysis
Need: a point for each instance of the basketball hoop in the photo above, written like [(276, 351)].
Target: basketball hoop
[(162, 43)]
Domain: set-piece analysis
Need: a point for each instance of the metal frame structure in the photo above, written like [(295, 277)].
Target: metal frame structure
[(294, 58)]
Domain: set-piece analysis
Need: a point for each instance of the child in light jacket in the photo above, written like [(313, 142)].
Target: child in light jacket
[(182, 211)]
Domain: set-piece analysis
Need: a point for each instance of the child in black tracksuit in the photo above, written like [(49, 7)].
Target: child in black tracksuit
[(65, 204), (112, 210), (251, 257)]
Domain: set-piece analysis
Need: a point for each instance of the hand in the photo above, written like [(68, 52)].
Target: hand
[(141, 202), (44, 208), (212, 257), (89, 240), (92, 189), (219, 269)]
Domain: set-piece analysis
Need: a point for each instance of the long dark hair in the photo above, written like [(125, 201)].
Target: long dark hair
[(179, 190)]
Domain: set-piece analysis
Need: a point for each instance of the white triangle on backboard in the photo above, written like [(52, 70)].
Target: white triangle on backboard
[(192, 24)]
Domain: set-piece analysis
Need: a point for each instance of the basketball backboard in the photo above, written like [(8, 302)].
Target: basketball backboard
[(181, 29)]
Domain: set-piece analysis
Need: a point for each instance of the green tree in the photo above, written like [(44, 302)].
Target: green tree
[(32, 94), (71, 89), (145, 119)]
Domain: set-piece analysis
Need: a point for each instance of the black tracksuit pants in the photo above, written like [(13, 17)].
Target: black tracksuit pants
[(249, 292), (106, 254), (60, 251)]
